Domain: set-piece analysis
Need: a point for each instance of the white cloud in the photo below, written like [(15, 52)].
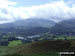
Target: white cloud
[(56, 11), (6, 3)]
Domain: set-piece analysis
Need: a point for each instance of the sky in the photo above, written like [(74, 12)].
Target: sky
[(56, 10)]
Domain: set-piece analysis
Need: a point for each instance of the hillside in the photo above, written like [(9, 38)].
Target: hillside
[(27, 27), (45, 47), (34, 22), (29, 23), (66, 27)]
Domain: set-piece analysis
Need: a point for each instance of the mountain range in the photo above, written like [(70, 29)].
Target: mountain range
[(35, 26), (66, 27), (28, 26)]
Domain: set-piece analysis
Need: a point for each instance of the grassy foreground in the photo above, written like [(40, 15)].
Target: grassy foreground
[(42, 48), (40, 54)]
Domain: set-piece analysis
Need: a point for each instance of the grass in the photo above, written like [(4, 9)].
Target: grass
[(39, 54), (14, 43), (43, 48), (67, 38), (4, 50)]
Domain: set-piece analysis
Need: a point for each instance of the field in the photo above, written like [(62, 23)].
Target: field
[(43, 48)]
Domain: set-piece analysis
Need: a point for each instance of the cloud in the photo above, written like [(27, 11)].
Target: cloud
[(6, 3), (55, 10)]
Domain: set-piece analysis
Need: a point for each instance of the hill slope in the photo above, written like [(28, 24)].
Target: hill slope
[(29, 23), (64, 28), (44, 47), (28, 26)]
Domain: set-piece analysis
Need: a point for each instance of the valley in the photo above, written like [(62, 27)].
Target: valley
[(20, 38)]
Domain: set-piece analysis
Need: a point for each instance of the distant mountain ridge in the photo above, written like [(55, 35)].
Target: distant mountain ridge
[(28, 26), (29, 23), (66, 27)]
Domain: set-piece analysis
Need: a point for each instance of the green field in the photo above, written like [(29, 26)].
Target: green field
[(42, 48)]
